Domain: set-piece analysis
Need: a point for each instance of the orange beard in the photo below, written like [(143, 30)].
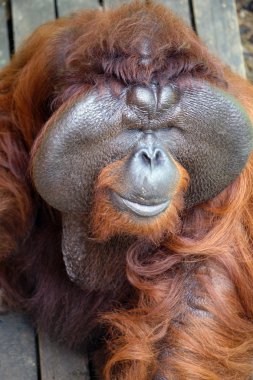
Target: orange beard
[(108, 221)]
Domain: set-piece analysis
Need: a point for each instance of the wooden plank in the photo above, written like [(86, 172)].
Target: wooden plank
[(65, 7), (17, 348), (180, 7), (114, 3), (217, 24), (59, 363), (4, 45), (28, 15)]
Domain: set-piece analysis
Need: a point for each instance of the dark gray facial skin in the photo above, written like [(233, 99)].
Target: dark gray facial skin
[(200, 126), (151, 127)]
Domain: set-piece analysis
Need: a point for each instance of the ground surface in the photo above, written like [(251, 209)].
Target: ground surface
[(245, 16)]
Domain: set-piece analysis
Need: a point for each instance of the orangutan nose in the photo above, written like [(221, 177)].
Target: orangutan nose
[(151, 99), (151, 157), (153, 173)]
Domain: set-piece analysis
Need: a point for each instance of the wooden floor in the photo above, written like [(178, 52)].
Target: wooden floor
[(23, 354)]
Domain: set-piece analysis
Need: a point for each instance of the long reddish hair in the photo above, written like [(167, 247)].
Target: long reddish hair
[(194, 317)]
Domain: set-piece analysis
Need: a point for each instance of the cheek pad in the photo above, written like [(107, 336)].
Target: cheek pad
[(75, 147), (211, 138)]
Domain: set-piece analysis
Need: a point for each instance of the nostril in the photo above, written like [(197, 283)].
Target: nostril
[(146, 158), (158, 155), (151, 157)]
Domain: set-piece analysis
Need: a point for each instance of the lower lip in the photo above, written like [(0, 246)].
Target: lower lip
[(138, 209)]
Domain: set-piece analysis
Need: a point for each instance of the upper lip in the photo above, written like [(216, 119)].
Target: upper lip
[(140, 209)]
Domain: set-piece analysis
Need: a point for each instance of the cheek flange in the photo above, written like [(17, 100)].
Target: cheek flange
[(212, 140), (73, 149)]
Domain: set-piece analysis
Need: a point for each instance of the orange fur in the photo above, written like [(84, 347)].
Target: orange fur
[(107, 221), (195, 298)]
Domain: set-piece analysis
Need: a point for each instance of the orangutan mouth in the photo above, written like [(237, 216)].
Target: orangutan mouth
[(140, 209)]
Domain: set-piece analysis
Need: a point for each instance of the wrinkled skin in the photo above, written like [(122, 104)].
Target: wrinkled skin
[(201, 127)]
